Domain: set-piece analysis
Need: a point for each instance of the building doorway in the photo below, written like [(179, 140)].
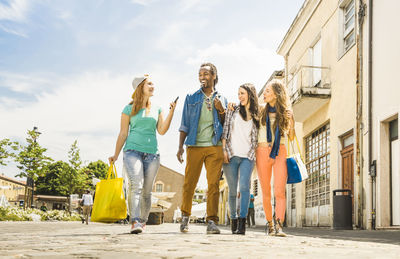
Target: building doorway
[(347, 154)]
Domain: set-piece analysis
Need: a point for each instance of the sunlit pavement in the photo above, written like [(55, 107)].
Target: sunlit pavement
[(96, 240)]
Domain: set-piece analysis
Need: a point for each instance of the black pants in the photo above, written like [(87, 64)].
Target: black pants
[(250, 215)]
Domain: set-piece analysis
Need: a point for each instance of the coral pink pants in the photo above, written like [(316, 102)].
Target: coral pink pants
[(265, 164)]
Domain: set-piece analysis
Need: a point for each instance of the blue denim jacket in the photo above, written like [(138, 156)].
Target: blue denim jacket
[(191, 115)]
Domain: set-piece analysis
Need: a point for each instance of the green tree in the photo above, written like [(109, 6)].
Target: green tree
[(32, 160), (74, 156), (78, 179), (61, 179), (51, 182), (97, 169), (73, 182), (7, 149)]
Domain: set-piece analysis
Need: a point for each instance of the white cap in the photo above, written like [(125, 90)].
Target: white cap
[(138, 80)]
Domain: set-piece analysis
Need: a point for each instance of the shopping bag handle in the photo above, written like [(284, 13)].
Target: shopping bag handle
[(112, 171), (298, 145)]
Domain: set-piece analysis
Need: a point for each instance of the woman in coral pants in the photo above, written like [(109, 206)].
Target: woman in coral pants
[(277, 124)]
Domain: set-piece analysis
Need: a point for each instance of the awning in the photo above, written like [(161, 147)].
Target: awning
[(50, 198)]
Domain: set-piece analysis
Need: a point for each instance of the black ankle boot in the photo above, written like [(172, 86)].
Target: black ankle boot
[(234, 225), (242, 226)]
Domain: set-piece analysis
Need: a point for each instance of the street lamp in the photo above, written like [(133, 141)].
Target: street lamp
[(35, 129)]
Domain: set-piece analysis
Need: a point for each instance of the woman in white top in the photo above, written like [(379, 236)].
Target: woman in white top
[(239, 142)]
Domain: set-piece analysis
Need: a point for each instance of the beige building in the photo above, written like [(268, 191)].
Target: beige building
[(168, 190), (320, 71), (11, 189), (380, 104)]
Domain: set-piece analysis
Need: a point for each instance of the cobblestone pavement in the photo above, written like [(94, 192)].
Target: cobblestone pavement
[(74, 240)]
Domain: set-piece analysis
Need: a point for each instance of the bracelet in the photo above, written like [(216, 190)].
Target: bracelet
[(221, 112)]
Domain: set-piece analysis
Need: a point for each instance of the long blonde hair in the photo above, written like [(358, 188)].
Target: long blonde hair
[(281, 106), (137, 101)]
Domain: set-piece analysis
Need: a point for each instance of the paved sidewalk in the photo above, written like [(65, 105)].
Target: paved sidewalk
[(74, 240), (379, 236)]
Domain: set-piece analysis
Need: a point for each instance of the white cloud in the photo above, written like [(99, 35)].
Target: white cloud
[(239, 62), (86, 107), (197, 5), (15, 11), (10, 102), (28, 84), (176, 37), (65, 16), (13, 31), (143, 2)]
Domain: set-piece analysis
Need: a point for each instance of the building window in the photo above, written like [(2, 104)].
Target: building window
[(255, 187), (318, 167), (159, 187), (293, 196), (348, 140), (394, 129), (348, 24)]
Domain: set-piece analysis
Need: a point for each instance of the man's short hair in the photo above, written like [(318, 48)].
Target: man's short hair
[(213, 71)]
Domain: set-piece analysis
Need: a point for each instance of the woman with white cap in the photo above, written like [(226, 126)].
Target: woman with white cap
[(140, 120)]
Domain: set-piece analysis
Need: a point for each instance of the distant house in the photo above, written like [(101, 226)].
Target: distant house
[(51, 202), (167, 192), (200, 196), (11, 189)]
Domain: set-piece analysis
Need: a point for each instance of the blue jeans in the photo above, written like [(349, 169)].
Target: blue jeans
[(141, 170), (238, 168)]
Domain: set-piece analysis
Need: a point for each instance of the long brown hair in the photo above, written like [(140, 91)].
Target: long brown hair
[(137, 101), (252, 99), (281, 106)]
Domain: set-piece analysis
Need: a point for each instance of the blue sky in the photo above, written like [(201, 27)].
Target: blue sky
[(67, 66)]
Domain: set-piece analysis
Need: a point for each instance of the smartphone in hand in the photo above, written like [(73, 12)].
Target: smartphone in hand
[(175, 101)]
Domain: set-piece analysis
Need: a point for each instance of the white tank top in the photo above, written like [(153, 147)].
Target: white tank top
[(241, 136)]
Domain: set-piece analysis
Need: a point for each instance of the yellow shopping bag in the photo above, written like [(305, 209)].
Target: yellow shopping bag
[(109, 202)]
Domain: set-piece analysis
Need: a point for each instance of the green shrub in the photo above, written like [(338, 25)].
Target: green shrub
[(17, 214)]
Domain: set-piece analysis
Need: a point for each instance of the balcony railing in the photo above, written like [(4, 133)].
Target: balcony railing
[(313, 81), (309, 89)]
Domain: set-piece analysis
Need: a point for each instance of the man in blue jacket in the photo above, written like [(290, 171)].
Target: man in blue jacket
[(201, 129)]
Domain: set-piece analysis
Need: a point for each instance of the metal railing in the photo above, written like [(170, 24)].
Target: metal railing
[(308, 76)]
